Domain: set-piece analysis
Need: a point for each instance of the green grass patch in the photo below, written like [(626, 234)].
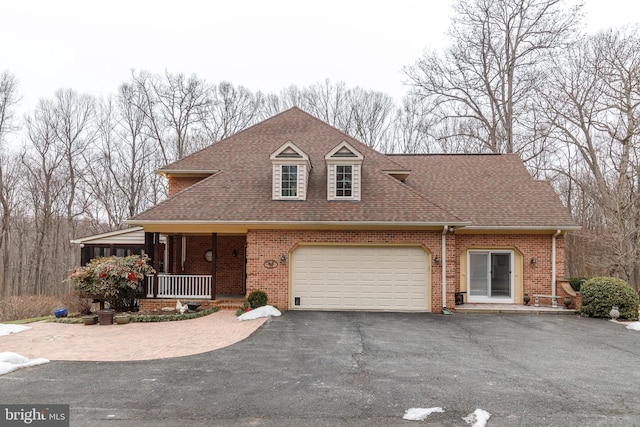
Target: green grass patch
[(149, 318), (30, 320)]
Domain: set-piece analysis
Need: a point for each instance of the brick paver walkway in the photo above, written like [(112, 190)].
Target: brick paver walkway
[(133, 341)]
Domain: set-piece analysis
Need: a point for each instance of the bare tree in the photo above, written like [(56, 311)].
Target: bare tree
[(173, 107), (122, 168), (411, 127), (372, 118), (481, 87), (8, 100), (43, 160), (74, 127), (230, 110), (593, 106)]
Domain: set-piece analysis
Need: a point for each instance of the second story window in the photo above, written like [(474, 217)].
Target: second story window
[(344, 173), (344, 180), (290, 173), (289, 181)]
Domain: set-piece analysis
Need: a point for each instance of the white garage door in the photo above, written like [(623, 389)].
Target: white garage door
[(360, 278)]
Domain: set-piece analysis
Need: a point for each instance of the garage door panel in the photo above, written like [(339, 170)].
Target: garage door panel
[(360, 278)]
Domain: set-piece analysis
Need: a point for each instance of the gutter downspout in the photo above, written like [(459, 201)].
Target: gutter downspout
[(553, 263), (444, 266)]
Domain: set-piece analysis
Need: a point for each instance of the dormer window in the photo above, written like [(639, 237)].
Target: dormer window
[(344, 180), (344, 164), (289, 181), (290, 177)]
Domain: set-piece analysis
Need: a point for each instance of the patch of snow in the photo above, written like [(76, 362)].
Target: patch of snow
[(477, 418), (264, 311), (11, 361), (420, 414), (6, 329), (635, 326)]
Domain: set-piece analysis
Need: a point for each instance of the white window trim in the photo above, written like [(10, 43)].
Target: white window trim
[(351, 187), (297, 181), (298, 159), (355, 162)]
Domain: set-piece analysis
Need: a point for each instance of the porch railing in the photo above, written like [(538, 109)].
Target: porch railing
[(180, 286)]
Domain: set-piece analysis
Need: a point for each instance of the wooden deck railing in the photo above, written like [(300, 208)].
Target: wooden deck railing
[(180, 286)]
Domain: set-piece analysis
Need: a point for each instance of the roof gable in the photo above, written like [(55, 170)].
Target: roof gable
[(479, 191), (289, 151), (242, 190), (344, 151)]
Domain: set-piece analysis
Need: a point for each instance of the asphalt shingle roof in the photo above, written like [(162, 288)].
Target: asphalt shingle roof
[(487, 190)]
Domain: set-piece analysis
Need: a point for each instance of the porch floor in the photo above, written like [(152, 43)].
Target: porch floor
[(512, 308)]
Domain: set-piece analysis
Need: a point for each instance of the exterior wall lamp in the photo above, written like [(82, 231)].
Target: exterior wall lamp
[(533, 261), (283, 259), (234, 253), (436, 259)]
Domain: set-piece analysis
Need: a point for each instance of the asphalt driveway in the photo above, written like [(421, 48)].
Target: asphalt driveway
[(363, 369)]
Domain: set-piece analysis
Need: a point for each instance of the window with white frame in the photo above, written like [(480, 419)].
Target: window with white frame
[(290, 177), (344, 173), (289, 181), (344, 180)]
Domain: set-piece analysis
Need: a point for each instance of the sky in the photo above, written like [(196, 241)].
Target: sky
[(266, 45)]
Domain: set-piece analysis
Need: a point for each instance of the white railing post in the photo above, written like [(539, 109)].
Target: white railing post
[(181, 286)]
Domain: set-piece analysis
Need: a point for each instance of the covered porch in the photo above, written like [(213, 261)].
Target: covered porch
[(196, 266)]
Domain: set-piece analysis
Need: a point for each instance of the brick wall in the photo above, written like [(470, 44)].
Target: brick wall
[(149, 304), (265, 246), (229, 269), (536, 277), (178, 184)]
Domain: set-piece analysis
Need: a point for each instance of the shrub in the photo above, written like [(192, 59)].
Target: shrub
[(257, 299), (575, 284), (30, 306), (600, 294), (114, 279)]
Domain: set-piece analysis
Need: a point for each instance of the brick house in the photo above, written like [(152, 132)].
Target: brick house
[(320, 221)]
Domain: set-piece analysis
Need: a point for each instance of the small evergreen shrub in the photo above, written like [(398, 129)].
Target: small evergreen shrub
[(575, 284), (600, 294), (257, 299)]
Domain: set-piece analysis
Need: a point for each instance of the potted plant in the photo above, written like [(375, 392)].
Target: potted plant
[(90, 319), (122, 318), (193, 306), (105, 317)]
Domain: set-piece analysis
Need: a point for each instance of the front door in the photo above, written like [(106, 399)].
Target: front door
[(490, 276)]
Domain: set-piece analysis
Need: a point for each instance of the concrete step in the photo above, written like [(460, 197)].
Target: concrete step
[(512, 308)]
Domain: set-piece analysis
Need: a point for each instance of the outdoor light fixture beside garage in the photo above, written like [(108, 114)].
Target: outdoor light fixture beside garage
[(436, 259)]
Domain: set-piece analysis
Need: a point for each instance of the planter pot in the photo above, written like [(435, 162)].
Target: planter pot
[(193, 306), (122, 319), (105, 317), (60, 312), (90, 319)]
